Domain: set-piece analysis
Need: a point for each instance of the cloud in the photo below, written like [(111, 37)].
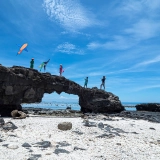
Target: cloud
[(135, 8), (117, 43), (148, 62), (144, 29), (68, 13), (69, 49), (147, 87)]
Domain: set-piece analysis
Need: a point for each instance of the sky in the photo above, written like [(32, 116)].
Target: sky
[(119, 39)]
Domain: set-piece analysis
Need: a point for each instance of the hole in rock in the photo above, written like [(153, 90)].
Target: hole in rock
[(57, 101)]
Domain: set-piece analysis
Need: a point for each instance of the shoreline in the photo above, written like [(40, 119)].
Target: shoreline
[(142, 115)]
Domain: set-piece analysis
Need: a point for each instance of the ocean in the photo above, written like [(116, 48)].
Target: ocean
[(129, 106)]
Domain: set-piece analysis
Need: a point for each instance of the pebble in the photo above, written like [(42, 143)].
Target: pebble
[(12, 146)]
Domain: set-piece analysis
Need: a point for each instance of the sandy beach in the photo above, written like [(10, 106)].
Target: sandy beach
[(38, 138)]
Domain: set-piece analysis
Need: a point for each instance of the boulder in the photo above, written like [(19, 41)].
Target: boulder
[(65, 126), (153, 107), (18, 114)]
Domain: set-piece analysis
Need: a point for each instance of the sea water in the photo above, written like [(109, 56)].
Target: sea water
[(129, 106)]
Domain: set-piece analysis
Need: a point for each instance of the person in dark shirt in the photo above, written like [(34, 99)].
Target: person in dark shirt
[(86, 82), (103, 82), (32, 63)]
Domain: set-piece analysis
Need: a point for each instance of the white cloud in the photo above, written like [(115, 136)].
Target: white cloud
[(118, 43), (144, 29), (148, 62), (135, 8), (69, 13), (69, 49), (146, 87)]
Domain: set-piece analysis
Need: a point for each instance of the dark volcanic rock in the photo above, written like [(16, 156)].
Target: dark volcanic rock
[(24, 85), (43, 144), (153, 107), (2, 122), (9, 126), (145, 115), (26, 145)]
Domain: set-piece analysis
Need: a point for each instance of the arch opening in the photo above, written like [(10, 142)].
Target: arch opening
[(57, 102)]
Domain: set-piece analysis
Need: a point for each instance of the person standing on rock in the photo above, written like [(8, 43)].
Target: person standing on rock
[(45, 63), (86, 82), (61, 69), (103, 82), (32, 63)]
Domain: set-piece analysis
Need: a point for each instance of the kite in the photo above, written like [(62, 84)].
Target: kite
[(23, 47)]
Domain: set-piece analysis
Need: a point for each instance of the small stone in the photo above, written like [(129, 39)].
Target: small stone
[(119, 144), (48, 153), (152, 128), (44, 144), (12, 146), (57, 151), (26, 145), (100, 125), (65, 126), (9, 126)]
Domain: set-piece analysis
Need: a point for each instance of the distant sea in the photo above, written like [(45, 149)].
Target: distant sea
[(129, 106)]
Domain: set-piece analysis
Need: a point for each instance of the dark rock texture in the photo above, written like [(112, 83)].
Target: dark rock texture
[(153, 107), (145, 115), (24, 85)]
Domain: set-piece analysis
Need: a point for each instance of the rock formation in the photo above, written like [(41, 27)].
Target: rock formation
[(153, 107), (24, 85)]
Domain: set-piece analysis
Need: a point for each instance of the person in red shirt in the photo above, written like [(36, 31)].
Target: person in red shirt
[(61, 69)]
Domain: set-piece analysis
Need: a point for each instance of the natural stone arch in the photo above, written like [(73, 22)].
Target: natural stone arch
[(25, 85)]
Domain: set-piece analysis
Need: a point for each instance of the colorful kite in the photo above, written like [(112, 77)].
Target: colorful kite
[(23, 47)]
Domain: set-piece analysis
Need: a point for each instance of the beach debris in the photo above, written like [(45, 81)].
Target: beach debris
[(65, 126), (9, 126), (18, 114)]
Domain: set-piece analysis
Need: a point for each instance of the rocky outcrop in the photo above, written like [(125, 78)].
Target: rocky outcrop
[(24, 85), (153, 107)]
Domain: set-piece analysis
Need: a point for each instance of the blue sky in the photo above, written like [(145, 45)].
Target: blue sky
[(119, 39)]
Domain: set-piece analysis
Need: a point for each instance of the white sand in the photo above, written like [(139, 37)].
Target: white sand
[(127, 146)]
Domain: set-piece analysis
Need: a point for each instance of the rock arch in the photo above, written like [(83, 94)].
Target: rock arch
[(25, 85)]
